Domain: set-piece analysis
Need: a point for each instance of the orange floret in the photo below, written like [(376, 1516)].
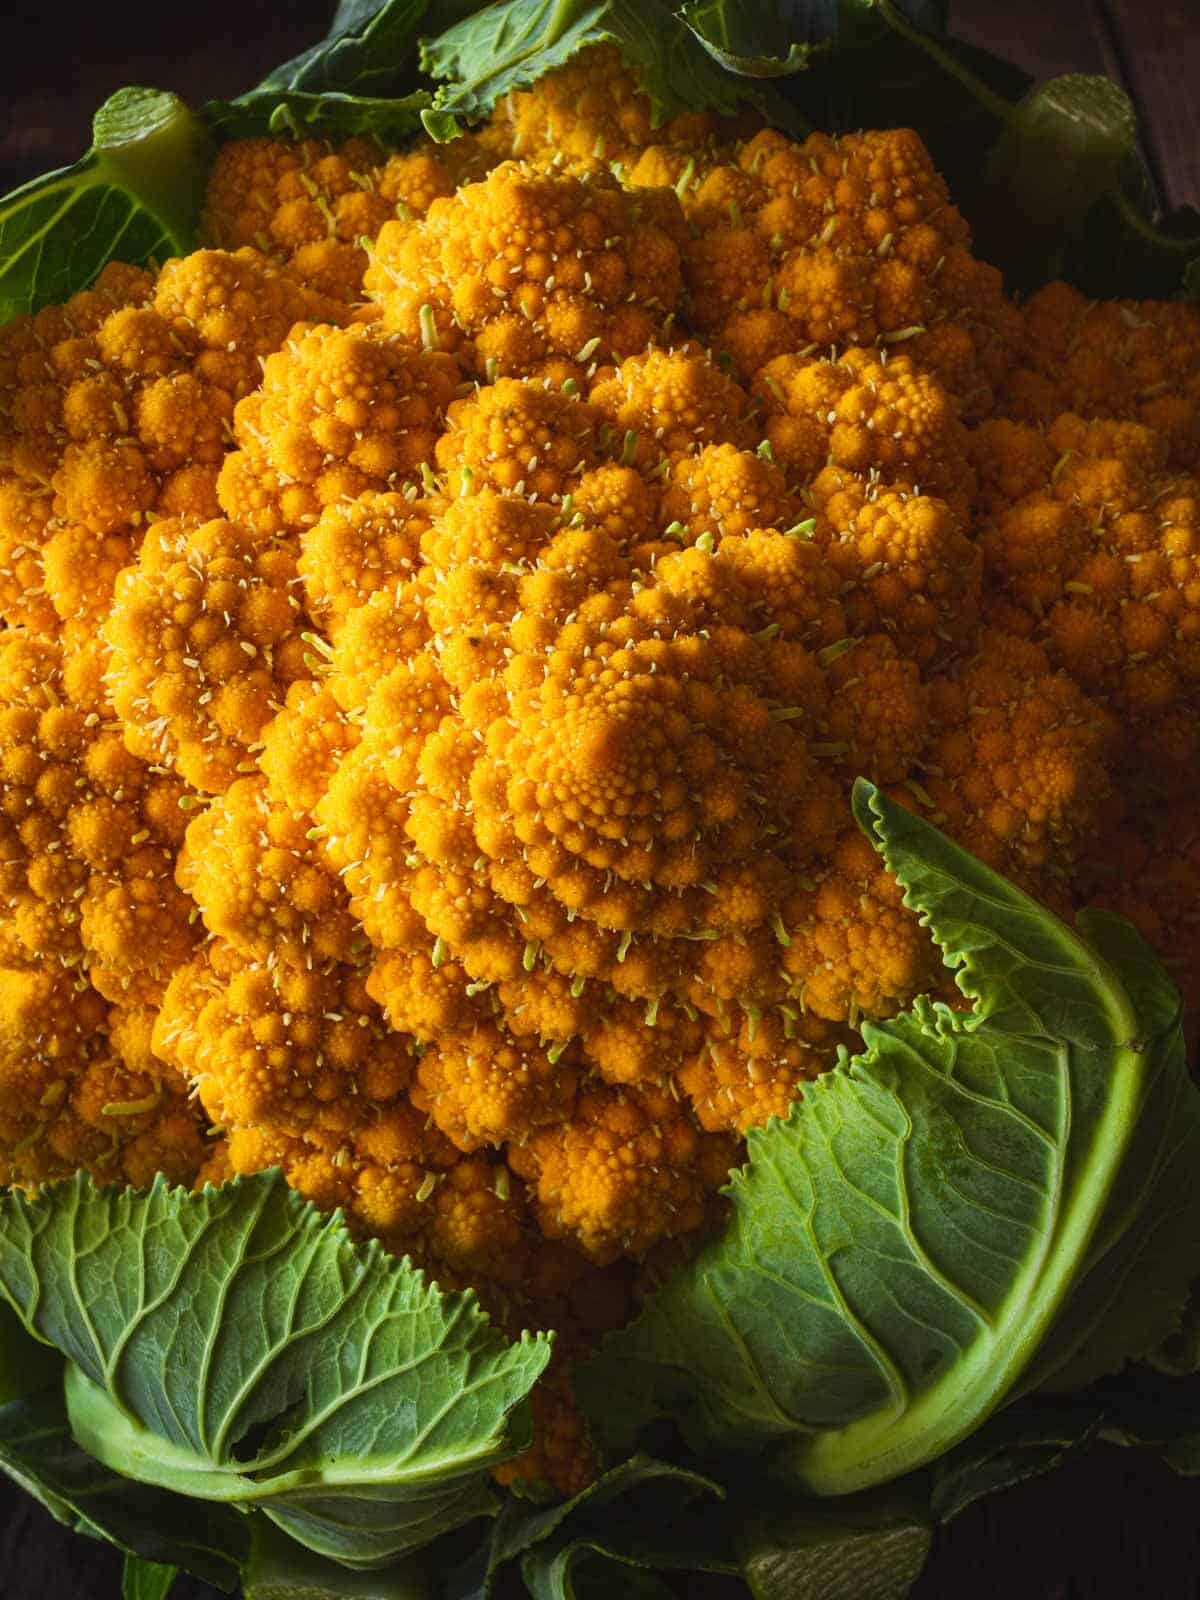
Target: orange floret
[(562, 1454), (205, 634), (1102, 563), (877, 714), (521, 438), (389, 629), (843, 241), (51, 1024), (41, 355), (292, 1050), (103, 486), (631, 1043), (241, 193), (784, 585), (261, 883), (42, 744), (1019, 764), (618, 500), (26, 508), (339, 412), (740, 1081), (424, 993), (303, 744), (724, 490), (412, 180), (181, 420), (233, 308), (137, 926), (667, 402), (476, 1226), (853, 948), (905, 562), (384, 1173), (531, 272), (79, 1088), (484, 1087), (626, 1170), (877, 418), (1138, 360), (314, 207), (1011, 459), (89, 835), (357, 547), (588, 113)]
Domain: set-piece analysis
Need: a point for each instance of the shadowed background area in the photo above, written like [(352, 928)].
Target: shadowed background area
[(1113, 1526)]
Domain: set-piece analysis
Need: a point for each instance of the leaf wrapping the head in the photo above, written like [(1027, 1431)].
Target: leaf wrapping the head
[(237, 1346), (902, 1244)]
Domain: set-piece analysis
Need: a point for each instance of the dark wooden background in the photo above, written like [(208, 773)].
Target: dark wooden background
[(1113, 1526)]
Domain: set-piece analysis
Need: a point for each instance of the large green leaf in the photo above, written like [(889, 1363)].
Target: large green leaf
[(902, 1244), (236, 1346), (359, 79), (134, 196), (154, 1529), (1132, 1292), (510, 45)]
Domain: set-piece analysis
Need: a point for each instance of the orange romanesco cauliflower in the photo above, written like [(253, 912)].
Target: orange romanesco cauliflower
[(443, 620)]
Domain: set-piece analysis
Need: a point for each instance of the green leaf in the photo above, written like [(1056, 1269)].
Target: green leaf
[(510, 45), (767, 39), (862, 1547), (327, 115), (643, 1513), (1134, 1286), (1021, 1442), (900, 1246), (237, 1346), (360, 79), (364, 52), (146, 1580), (135, 196), (1064, 147), (751, 41), (1068, 189), (26, 1365), (583, 1571), (38, 1452), (280, 1569), (1179, 1353)]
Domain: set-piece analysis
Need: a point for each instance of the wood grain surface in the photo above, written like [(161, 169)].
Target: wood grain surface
[(1115, 1525)]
